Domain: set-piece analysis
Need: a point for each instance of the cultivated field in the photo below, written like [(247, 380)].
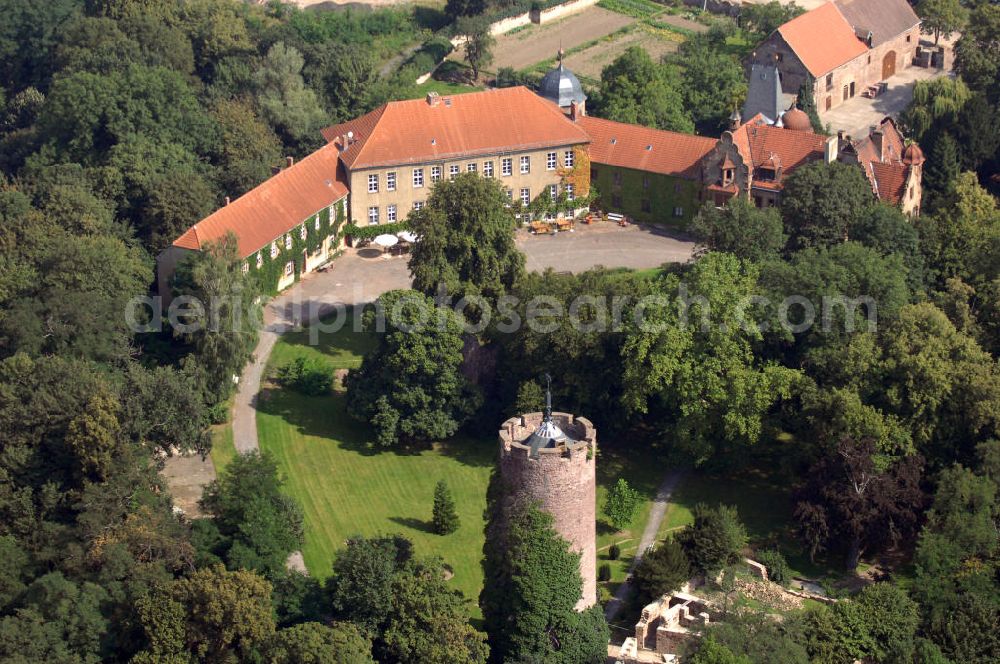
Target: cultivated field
[(523, 48), (588, 63)]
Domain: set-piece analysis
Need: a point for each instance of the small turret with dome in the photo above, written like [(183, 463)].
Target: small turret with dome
[(562, 87), (796, 119)]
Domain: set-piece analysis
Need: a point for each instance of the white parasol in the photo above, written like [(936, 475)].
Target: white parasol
[(407, 236), (386, 240)]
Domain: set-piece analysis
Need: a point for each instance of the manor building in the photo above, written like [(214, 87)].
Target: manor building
[(393, 156), (377, 168), (283, 228)]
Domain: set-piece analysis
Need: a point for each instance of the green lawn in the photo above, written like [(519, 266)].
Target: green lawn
[(643, 474), (347, 489), (223, 450)]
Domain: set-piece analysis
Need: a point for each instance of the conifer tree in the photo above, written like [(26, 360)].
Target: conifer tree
[(445, 517)]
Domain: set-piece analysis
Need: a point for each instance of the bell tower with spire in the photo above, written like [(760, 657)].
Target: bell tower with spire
[(550, 458)]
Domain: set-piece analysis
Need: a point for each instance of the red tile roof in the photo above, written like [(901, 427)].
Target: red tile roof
[(889, 180), (415, 131), (645, 149), (822, 39), (884, 168), (759, 142), (274, 207)]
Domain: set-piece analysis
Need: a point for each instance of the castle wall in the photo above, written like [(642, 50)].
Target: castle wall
[(563, 481)]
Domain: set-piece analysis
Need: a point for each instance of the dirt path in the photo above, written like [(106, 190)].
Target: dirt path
[(659, 508), (350, 280)]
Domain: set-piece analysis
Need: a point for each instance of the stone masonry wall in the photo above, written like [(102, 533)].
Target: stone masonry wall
[(562, 480)]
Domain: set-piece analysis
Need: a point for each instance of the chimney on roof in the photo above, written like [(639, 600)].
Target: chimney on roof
[(876, 135), (433, 98), (574, 111), (831, 149), (289, 161), (227, 200)]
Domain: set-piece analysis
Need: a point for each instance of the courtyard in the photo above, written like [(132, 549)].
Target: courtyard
[(855, 116)]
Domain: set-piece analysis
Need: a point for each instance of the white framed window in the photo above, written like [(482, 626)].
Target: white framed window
[(260, 259), (471, 167), (372, 183), (418, 177), (525, 164), (525, 196), (274, 249), (550, 161), (678, 212), (435, 173), (289, 268), (568, 188), (316, 223), (246, 267), (488, 169), (510, 194), (506, 166), (373, 215), (452, 171), (553, 191), (288, 240), (568, 159), (302, 233), (418, 205), (390, 181), (390, 213)]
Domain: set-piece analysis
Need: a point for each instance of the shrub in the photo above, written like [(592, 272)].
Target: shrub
[(310, 377), (604, 572), (777, 566), (614, 552)]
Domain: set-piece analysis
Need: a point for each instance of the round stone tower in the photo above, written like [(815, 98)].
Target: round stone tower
[(549, 458)]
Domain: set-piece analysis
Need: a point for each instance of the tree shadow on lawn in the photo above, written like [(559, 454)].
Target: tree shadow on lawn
[(416, 524), (336, 345), (327, 417)]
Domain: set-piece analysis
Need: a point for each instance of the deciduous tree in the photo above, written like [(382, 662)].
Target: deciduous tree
[(821, 202), (466, 241), (621, 503), (941, 17), (740, 228), (410, 387), (636, 90)]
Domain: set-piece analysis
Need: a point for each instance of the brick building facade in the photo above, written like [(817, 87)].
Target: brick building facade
[(842, 48)]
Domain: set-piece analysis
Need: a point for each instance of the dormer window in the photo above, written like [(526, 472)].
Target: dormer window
[(728, 176), (766, 174)]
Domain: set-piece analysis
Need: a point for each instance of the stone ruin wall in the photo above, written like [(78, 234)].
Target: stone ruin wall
[(562, 480)]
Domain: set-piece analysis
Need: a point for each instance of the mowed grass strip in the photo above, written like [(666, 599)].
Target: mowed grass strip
[(345, 488)]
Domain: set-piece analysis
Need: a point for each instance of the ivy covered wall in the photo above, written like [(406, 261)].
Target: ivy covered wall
[(663, 192), (272, 270)]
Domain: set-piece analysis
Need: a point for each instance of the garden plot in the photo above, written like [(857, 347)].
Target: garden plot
[(538, 43)]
